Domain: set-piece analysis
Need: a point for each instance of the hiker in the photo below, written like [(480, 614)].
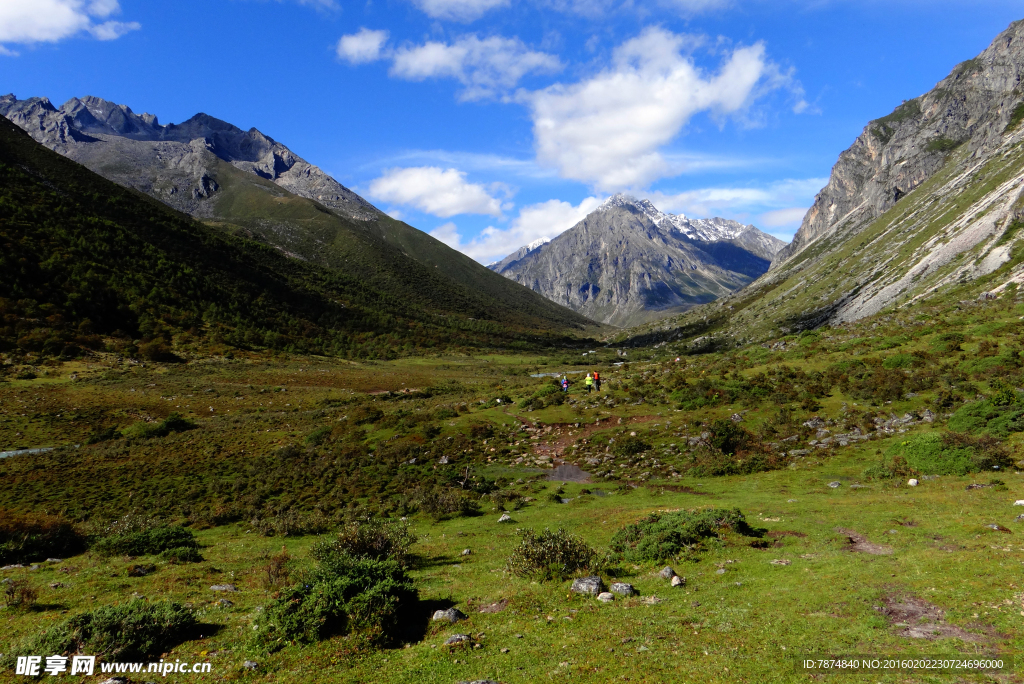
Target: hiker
[(590, 382), (565, 384), (597, 381)]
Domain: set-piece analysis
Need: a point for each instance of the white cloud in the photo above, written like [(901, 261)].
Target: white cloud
[(36, 21), (458, 10), (545, 220), (783, 218), (362, 47), (608, 130), (486, 67), (112, 30), (441, 192)]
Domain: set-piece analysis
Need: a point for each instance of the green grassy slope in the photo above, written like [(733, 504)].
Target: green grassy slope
[(85, 259), (385, 253)]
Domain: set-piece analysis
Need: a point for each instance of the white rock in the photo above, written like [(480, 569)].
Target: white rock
[(1019, 502), (678, 581), (912, 482), (606, 596)]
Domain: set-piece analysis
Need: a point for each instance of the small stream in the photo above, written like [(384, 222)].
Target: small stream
[(18, 452)]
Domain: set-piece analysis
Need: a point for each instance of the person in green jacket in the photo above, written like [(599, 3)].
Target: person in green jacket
[(589, 382)]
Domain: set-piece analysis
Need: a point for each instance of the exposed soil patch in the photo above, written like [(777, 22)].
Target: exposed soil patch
[(778, 534), (860, 543), (918, 619), (493, 607)]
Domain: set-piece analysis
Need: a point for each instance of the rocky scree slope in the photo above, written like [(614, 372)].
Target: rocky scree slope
[(247, 184), (627, 262), (928, 201)]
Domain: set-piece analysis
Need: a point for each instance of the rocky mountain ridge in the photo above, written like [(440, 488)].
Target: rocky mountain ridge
[(927, 203), (627, 262), (171, 161)]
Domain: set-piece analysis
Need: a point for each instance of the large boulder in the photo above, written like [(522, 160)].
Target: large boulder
[(588, 585)]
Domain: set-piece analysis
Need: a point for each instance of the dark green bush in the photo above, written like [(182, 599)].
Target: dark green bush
[(551, 555), (898, 469), (667, 535), (950, 453), (182, 554), (145, 542), (630, 445), (445, 502), (290, 523), (375, 539), (33, 537), (172, 423), (342, 595), (135, 630), (985, 417)]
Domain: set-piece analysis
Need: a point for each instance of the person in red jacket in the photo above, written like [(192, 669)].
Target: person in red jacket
[(597, 381)]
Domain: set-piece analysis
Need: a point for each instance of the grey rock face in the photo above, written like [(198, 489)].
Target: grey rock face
[(588, 585), (223, 587), (458, 641), (627, 262), (622, 589), (667, 572), (898, 152), (172, 162), (450, 615)]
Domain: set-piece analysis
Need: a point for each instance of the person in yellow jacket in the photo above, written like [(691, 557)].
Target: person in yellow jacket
[(589, 382)]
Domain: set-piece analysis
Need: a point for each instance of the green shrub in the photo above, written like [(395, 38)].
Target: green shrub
[(551, 555), (706, 461), (32, 537), (342, 595), (290, 523), (900, 361), (376, 539), (172, 423), (899, 468), (667, 535), (948, 454), (443, 503), (141, 538), (135, 630), (318, 436), (19, 594), (984, 417), (182, 554), (630, 445)]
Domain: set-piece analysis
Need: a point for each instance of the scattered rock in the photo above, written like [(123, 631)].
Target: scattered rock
[(667, 572), (115, 680), (998, 528), (54, 560), (519, 636), (458, 641), (1019, 502), (224, 603), (835, 484), (1019, 518), (250, 665), (652, 600), (466, 552), (780, 561), (451, 615), (918, 619), (504, 650), (223, 587), (140, 570), (606, 596), (57, 585), (678, 581), (976, 485), (720, 571), (912, 482), (622, 589), (588, 585), (505, 518), (12, 567), (479, 681)]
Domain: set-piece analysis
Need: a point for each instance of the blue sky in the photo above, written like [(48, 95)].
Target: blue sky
[(491, 123)]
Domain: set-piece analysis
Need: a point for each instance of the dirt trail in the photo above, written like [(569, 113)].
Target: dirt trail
[(555, 438)]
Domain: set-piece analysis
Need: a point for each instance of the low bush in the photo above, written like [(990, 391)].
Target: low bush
[(136, 535), (551, 555), (342, 595), (135, 630), (706, 461), (443, 503), (660, 536), (898, 469), (182, 554), (19, 594), (172, 423), (950, 453), (631, 445), (25, 538), (376, 539), (290, 523), (985, 417)]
